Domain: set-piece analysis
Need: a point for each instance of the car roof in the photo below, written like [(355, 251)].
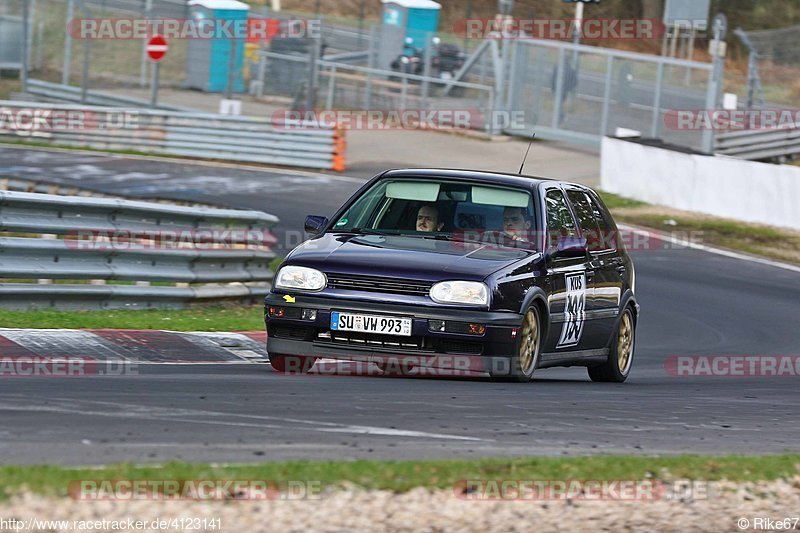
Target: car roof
[(496, 178)]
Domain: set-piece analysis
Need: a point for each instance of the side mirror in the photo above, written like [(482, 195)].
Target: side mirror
[(315, 224), (570, 247)]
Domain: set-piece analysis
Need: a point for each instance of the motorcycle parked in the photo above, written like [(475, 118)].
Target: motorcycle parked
[(446, 61)]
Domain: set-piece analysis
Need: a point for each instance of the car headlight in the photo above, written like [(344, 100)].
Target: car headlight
[(301, 278), (460, 292)]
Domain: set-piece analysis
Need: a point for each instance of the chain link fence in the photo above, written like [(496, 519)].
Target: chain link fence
[(581, 93), (773, 68), (564, 91)]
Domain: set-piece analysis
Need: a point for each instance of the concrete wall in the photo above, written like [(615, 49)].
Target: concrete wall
[(715, 185)]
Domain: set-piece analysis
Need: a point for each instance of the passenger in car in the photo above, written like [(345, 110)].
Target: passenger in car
[(428, 218), (516, 223)]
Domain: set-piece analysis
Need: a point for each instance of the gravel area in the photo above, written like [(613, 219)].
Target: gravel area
[(425, 510)]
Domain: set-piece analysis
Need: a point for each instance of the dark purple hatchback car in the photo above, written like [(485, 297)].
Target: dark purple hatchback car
[(493, 273)]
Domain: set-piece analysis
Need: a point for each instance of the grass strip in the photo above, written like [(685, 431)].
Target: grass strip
[(756, 239), (401, 476), (214, 318)]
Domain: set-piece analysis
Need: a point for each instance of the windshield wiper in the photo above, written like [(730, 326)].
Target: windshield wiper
[(363, 231), (439, 237)]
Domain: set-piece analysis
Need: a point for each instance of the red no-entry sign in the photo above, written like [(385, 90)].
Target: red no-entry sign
[(156, 48)]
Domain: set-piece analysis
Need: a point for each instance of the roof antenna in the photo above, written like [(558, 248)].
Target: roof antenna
[(526, 153)]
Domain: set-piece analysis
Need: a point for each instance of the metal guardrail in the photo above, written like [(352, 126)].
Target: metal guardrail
[(201, 135), (224, 253), (67, 93), (772, 143)]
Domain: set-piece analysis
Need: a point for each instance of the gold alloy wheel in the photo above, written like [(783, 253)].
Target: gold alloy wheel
[(625, 342), (529, 342)]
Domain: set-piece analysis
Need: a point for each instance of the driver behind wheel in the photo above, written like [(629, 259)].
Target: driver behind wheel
[(516, 223), (428, 219)]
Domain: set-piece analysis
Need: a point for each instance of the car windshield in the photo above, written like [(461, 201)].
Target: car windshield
[(443, 209)]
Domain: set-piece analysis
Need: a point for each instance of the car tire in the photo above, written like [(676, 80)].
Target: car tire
[(620, 358), (291, 364), (529, 349)]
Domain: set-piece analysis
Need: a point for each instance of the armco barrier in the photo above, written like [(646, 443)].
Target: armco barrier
[(211, 254), (49, 91), (766, 143), (202, 135)]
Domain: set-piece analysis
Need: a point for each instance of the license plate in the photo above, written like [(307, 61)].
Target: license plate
[(385, 325)]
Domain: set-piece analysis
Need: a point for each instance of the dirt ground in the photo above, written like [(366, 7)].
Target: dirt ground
[(724, 507)]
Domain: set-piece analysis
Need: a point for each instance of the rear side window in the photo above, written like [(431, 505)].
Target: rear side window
[(587, 220), (603, 219), (560, 223)]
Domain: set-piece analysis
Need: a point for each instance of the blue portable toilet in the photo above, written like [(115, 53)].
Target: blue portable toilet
[(208, 59), (417, 19)]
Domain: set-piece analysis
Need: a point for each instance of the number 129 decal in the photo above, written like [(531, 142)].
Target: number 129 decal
[(575, 310)]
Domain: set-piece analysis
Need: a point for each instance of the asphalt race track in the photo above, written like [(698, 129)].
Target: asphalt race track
[(693, 303), (289, 195)]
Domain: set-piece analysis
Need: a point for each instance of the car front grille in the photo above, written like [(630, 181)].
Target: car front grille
[(379, 284), (460, 347), (288, 332), (372, 340)]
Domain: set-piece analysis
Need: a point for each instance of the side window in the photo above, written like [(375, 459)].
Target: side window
[(559, 219), (587, 220), (607, 233)]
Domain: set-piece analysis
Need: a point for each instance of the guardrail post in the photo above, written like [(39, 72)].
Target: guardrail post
[(46, 281), (489, 125), (538, 84), (558, 102), (404, 93), (371, 65), (607, 96), (26, 42), (512, 96), (655, 128), (426, 70), (714, 84), (148, 8), (68, 44), (262, 74), (85, 71), (497, 65), (331, 88)]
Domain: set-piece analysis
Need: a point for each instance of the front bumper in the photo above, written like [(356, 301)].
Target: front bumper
[(489, 352)]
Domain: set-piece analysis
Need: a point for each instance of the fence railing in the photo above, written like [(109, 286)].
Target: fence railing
[(119, 248), (58, 92), (354, 87), (202, 135), (758, 144), (581, 93)]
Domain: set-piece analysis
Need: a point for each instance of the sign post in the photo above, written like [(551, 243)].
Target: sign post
[(156, 50)]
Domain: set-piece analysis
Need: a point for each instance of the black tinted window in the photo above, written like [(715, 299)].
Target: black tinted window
[(585, 212), (602, 218), (559, 219)]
